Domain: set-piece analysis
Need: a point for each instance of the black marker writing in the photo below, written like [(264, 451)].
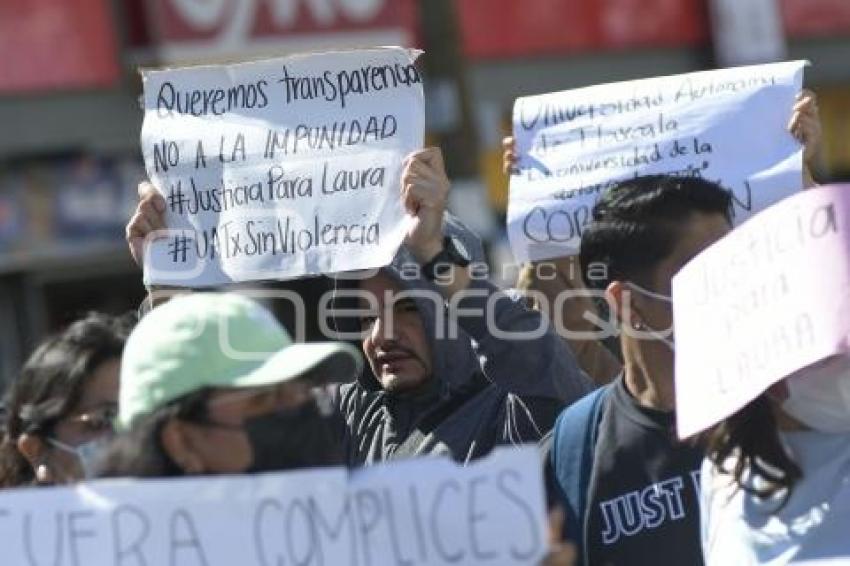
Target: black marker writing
[(214, 101)]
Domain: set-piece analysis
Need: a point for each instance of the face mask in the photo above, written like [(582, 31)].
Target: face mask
[(87, 453), (819, 396), (303, 438), (661, 338), (654, 333)]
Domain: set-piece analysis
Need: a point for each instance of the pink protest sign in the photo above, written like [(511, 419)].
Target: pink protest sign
[(768, 299)]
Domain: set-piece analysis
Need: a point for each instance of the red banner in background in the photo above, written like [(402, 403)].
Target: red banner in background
[(661, 23), (501, 28), (810, 18), (186, 30), (507, 28), (56, 44)]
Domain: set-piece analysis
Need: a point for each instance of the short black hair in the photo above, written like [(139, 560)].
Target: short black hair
[(636, 223)]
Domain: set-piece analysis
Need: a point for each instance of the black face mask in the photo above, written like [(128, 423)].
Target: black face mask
[(301, 438)]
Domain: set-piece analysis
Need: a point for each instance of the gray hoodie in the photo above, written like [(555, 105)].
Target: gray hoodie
[(484, 392)]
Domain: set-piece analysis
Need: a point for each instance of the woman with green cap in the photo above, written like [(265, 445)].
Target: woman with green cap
[(212, 383)]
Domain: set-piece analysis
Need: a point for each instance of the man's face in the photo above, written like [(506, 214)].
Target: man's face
[(702, 230), (221, 444), (395, 343)]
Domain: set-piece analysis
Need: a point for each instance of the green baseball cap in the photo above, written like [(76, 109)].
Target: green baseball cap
[(218, 340)]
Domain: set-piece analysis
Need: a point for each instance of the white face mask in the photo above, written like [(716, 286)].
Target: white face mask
[(87, 453), (819, 395), (660, 336)]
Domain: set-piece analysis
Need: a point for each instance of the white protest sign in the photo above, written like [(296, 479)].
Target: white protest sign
[(425, 511), (280, 168), (769, 298), (727, 126)]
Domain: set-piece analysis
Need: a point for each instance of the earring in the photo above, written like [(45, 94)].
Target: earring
[(42, 474), (637, 325)]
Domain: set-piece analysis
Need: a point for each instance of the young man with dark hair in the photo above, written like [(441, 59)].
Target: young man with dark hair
[(628, 485)]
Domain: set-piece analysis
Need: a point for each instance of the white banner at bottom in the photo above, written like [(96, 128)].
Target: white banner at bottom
[(426, 511)]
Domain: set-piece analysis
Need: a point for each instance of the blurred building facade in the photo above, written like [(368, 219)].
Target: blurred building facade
[(69, 106)]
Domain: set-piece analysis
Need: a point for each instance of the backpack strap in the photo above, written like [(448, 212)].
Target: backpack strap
[(573, 447)]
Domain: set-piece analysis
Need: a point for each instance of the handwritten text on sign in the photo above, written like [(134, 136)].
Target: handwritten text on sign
[(763, 302), (419, 512), (726, 126), (280, 168)]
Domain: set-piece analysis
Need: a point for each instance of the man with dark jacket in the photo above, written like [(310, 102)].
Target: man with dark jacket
[(459, 366)]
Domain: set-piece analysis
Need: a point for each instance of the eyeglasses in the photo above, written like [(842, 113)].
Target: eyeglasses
[(96, 421)]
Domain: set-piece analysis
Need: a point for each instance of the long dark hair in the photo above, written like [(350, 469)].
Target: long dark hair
[(138, 452), (51, 383), (750, 439)]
